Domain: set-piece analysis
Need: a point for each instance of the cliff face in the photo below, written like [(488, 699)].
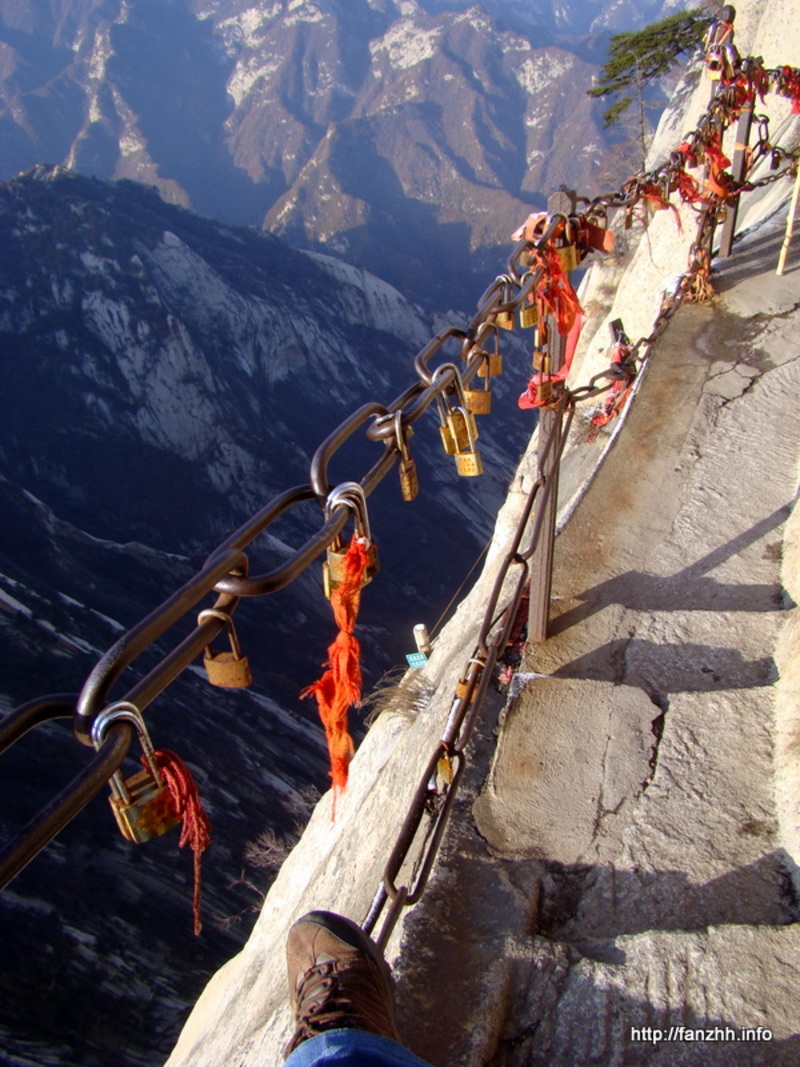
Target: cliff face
[(508, 959)]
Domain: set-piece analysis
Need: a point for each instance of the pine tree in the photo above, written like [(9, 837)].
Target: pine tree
[(634, 59)]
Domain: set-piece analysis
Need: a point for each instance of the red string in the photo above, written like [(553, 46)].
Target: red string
[(554, 293), (340, 685), (790, 86), (196, 829), (533, 395), (619, 392)]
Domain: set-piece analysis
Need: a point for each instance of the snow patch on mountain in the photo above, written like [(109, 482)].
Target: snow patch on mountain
[(250, 72), (541, 69), (368, 299), (303, 12), (407, 44)]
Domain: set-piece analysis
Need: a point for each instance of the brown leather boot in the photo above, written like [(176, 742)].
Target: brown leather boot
[(338, 979)]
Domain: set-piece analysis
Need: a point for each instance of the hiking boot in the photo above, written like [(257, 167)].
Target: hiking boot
[(338, 979)]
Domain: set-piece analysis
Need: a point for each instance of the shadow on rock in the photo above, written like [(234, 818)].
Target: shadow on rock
[(687, 589)]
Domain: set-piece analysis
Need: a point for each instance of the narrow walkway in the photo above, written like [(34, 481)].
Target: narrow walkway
[(624, 869)]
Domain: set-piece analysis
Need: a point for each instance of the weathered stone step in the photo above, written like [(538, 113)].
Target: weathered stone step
[(663, 998)]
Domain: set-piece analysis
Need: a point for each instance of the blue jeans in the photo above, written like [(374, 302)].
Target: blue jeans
[(352, 1048)]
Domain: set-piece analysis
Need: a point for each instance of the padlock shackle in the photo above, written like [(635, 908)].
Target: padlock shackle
[(467, 425), (402, 434), (352, 494), (457, 382), (223, 616), (124, 711)]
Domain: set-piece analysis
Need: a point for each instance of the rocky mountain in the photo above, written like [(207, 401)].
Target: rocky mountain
[(164, 377), (407, 137), (614, 886)]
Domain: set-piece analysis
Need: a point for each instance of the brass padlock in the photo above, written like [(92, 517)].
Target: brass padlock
[(444, 771), (462, 426), (448, 440), (505, 319), (541, 360), (494, 362), (569, 256), (333, 569), (528, 316), (544, 393), (479, 401), (457, 424), (469, 463), (142, 804), (228, 670), (468, 460), (409, 481)]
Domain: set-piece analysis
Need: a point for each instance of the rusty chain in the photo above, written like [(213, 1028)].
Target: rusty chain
[(226, 570)]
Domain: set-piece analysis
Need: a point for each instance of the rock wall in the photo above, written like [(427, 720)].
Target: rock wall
[(242, 1016)]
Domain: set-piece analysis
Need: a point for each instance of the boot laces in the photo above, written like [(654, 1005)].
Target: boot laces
[(337, 995)]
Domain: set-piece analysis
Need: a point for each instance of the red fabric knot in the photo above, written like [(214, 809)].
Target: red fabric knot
[(340, 685), (196, 828)]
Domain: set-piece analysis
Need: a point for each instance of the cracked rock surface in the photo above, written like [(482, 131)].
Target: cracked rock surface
[(634, 775)]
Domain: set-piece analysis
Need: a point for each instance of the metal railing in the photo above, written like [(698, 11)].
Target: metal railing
[(226, 571)]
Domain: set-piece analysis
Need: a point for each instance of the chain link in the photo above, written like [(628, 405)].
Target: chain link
[(225, 572)]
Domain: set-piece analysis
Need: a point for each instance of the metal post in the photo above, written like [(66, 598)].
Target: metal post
[(738, 167), (787, 240), (541, 562)]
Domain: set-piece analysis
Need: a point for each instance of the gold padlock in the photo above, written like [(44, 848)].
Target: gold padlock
[(540, 348), (528, 316), (544, 393), (228, 670), (457, 424), (142, 804), (494, 361), (479, 401), (333, 569), (444, 770), (143, 808), (448, 440), (569, 256), (469, 463), (505, 319), (463, 428), (409, 481), (541, 359)]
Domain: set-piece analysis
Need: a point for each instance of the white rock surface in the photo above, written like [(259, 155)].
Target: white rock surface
[(628, 863)]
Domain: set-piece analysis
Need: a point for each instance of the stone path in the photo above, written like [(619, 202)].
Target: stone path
[(624, 872)]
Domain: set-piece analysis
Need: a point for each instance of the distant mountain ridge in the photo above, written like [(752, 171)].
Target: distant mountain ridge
[(410, 138), (164, 377)]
